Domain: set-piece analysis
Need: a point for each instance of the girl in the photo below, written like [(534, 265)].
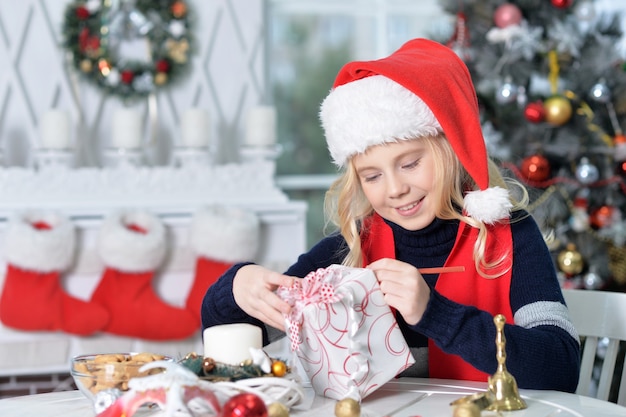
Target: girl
[(418, 191)]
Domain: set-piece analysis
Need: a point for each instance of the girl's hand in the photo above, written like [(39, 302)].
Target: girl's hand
[(253, 289), (403, 288)]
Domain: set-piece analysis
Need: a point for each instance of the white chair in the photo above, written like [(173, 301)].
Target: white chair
[(598, 315)]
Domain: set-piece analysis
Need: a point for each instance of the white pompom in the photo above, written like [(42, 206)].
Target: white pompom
[(488, 206)]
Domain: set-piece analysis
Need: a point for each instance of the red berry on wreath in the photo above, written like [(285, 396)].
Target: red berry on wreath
[(127, 76), (162, 65), (179, 9), (82, 13)]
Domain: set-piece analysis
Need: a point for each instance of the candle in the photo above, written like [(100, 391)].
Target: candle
[(54, 129), (231, 343), (261, 126), (127, 129), (195, 128)]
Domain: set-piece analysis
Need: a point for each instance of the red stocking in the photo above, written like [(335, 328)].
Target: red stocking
[(38, 248), (220, 237), (132, 246)]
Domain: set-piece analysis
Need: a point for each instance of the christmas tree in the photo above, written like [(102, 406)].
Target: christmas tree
[(552, 90)]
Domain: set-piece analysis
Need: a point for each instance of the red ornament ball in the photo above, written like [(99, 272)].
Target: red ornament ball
[(620, 169), (561, 4), (535, 112), (244, 405), (535, 168), (507, 14), (601, 217)]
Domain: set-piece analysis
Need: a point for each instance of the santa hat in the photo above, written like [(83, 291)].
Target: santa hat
[(420, 90)]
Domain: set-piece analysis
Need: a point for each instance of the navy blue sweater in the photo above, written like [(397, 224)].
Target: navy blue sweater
[(542, 346)]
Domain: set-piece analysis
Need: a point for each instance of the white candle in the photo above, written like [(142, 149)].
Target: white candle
[(127, 129), (261, 126), (54, 130), (231, 343), (195, 128)]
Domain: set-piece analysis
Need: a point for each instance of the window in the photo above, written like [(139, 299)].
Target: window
[(309, 41)]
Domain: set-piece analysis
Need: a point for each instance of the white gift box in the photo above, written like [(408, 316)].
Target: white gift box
[(344, 334)]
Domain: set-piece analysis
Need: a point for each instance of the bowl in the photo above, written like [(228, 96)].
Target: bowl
[(107, 371)]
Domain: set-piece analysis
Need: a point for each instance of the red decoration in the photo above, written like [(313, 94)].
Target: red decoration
[(127, 77), (179, 9), (87, 43), (535, 112), (162, 65), (82, 13), (459, 42), (621, 169), (244, 405), (536, 168), (561, 4), (601, 217), (507, 14)]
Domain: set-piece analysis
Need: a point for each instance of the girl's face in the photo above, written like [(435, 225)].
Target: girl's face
[(398, 180)]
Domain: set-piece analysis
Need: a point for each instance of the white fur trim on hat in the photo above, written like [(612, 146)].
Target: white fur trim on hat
[(372, 111), (225, 234), (130, 251), (489, 205), (44, 250)]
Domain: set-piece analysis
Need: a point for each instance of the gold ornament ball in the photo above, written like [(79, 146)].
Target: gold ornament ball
[(558, 110), (570, 260), (277, 410), (279, 368), (347, 407)]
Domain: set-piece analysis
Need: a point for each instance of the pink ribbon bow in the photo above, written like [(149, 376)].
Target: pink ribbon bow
[(316, 288)]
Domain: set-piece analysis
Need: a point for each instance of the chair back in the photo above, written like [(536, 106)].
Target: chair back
[(598, 315)]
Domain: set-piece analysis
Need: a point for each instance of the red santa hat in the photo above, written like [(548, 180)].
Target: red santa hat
[(420, 90)]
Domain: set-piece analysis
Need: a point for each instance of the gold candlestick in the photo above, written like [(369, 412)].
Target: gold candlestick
[(502, 385)]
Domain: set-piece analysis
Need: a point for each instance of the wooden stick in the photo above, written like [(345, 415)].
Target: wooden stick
[(441, 270)]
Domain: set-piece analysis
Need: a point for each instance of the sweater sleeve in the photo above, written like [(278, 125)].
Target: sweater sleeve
[(542, 346)]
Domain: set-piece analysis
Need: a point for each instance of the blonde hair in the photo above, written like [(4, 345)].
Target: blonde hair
[(347, 207)]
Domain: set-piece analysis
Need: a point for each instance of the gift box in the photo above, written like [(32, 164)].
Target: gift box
[(345, 336)]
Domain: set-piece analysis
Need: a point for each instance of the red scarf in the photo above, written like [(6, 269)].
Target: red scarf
[(468, 287)]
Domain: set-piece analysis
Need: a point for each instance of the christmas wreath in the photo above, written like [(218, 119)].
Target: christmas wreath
[(94, 31)]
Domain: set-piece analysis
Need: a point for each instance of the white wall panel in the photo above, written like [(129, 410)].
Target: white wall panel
[(227, 77)]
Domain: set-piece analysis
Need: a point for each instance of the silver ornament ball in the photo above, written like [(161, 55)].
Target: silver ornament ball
[(600, 92), (586, 172), (507, 93)]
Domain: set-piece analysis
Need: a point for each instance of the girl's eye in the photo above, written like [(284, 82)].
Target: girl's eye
[(411, 164), (371, 177)]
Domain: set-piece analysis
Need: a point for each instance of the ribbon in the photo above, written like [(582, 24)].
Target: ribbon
[(318, 287)]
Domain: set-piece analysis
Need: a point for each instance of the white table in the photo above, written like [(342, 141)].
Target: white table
[(407, 397)]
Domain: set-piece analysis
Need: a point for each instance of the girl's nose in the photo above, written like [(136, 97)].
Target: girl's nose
[(396, 187)]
